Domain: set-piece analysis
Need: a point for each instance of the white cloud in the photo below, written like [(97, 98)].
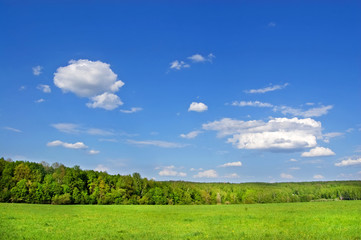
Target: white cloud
[(76, 128), (94, 80), (272, 24), (40, 100), (13, 129), (37, 70), (22, 88), (108, 101), (86, 78), (101, 168), (44, 88), (267, 89), (232, 175), (157, 143), (295, 168), (197, 58), (207, 174), (232, 164), (313, 112), (77, 145), (66, 127), (318, 152), (276, 134), (171, 172), (251, 104), (197, 107), (132, 110), (349, 162), (178, 65), (93, 152), (350, 130), (328, 136), (286, 176), (292, 160), (318, 176), (190, 135)]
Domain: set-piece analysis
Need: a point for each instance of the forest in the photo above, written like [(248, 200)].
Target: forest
[(30, 182)]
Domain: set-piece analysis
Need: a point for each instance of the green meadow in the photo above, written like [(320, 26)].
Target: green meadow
[(311, 220)]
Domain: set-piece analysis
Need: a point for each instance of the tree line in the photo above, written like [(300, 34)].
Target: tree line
[(30, 182)]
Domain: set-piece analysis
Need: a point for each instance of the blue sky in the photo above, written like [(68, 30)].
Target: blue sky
[(240, 91)]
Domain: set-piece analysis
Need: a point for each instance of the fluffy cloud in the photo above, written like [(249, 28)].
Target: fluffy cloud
[(286, 176), (251, 104), (37, 70), (93, 152), (190, 135), (349, 162), (108, 101), (267, 89), (132, 110), (318, 152), (276, 134), (77, 145), (293, 160), (313, 112), (318, 176), (162, 144), (197, 107), (94, 80), (232, 164), (44, 88), (207, 174), (178, 65), (171, 172)]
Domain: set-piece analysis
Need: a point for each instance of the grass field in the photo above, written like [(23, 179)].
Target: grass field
[(314, 220)]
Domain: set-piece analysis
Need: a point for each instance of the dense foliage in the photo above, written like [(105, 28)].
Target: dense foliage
[(31, 182)]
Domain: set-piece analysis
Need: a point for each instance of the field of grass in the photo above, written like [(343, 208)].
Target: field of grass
[(313, 220)]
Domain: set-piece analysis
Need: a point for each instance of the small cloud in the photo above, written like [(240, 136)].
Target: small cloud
[(162, 144), (206, 174), (37, 70), (328, 136), (99, 132), (286, 176), (232, 175), (93, 152), (310, 104), (318, 176), (66, 127), (132, 110), (295, 168), (170, 171), (77, 145), (22, 88), (193, 169), (272, 24), (197, 107), (197, 58), (232, 164), (40, 100), (349, 162), (107, 101), (251, 104), (12, 129), (267, 89), (313, 112), (350, 130), (318, 152), (178, 65), (292, 160), (44, 88), (101, 168), (191, 134)]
